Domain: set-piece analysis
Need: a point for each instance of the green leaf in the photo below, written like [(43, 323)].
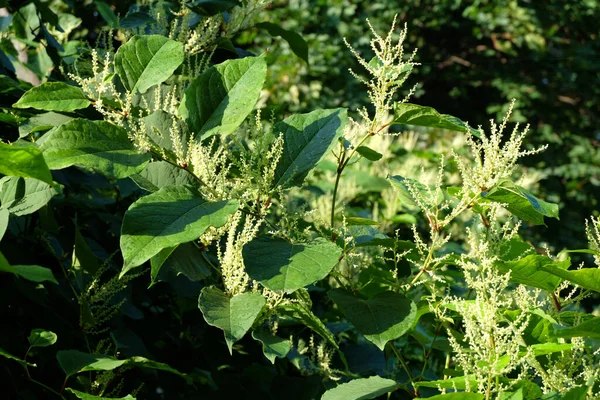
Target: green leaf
[(384, 317), (157, 261), (518, 395), (221, 98), (187, 259), (234, 315), (75, 361), (211, 7), (41, 338), (24, 363), (42, 122), (98, 145), (530, 271), (577, 393), (159, 174), (456, 396), (587, 278), (23, 196), (282, 266), (360, 221), (25, 161), (306, 139), (87, 396), (368, 153), (107, 13), (296, 42), (53, 96), (135, 20), (159, 126), (587, 329), (166, 218), (413, 114), (4, 217), (457, 383), (521, 203), (273, 346), (145, 61), (35, 273), (361, 389)]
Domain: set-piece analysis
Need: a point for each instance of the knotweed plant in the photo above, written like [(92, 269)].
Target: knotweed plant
[(316, 240)]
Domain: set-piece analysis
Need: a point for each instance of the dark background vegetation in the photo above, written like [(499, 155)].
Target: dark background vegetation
[(475, 56)]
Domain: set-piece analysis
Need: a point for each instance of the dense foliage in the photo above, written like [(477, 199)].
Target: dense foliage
[(197, 201)]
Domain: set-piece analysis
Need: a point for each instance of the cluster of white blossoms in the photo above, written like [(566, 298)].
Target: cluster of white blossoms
[(592, 230)]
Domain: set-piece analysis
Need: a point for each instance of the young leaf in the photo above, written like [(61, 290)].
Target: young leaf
[(87, 396), (53, 96), (145, 61), (273, 346), (166, 218), (211, 7), (97, 145), (368, 153), (221, 98), (41, 338), (413, 114), (521, 203), (35, 273), (25, 161), (283, 266), (307, 138), (296, 42), (359, 389), (530, 271), (159, 174), (234, 315), (587, 278), (382, 318), (23, 196)]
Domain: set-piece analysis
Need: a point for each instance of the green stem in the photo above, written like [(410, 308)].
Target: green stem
[(405, 366)]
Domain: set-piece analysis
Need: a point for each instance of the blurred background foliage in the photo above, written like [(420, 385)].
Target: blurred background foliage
[(475, 56)]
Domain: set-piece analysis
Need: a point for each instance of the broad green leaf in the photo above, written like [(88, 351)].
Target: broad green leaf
[(145, 61), (457, 383), (4, 216), (35, 273), (135, 20), (87, 396), (409, 188), (542, 349), (159, 127), (413, 114), (518, 395), (42, 122), (107, 13), (457, 396), (587, 278), (587, 329), (41, 338), (75, 361), (211, 7), (187, 259), (98, 145), (159, 174), (577, 393), (166, 218), (368, 153), (221, 98), (24, 363), (529, 270), (53, 96), (296, 42), (272, 345), (361, 389), (23, 196), (306, 139), (521, 203), (25, 161), (84, 260), (157, 261), (234, 315), (283, 266), (384, 317)]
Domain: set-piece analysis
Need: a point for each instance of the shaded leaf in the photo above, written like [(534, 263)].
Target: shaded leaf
[(457, 396), (87, 396), (23, 196), (587, 278), (4, 216), (529, 271), (211, 7), (384, 317), (368, 153), (234, 315), (35, 273), (159, 174), (272, 345), (283, 266), (6, 354), (587, 329), (42, 122), (41, 338), (295, 40), (166, 218)]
